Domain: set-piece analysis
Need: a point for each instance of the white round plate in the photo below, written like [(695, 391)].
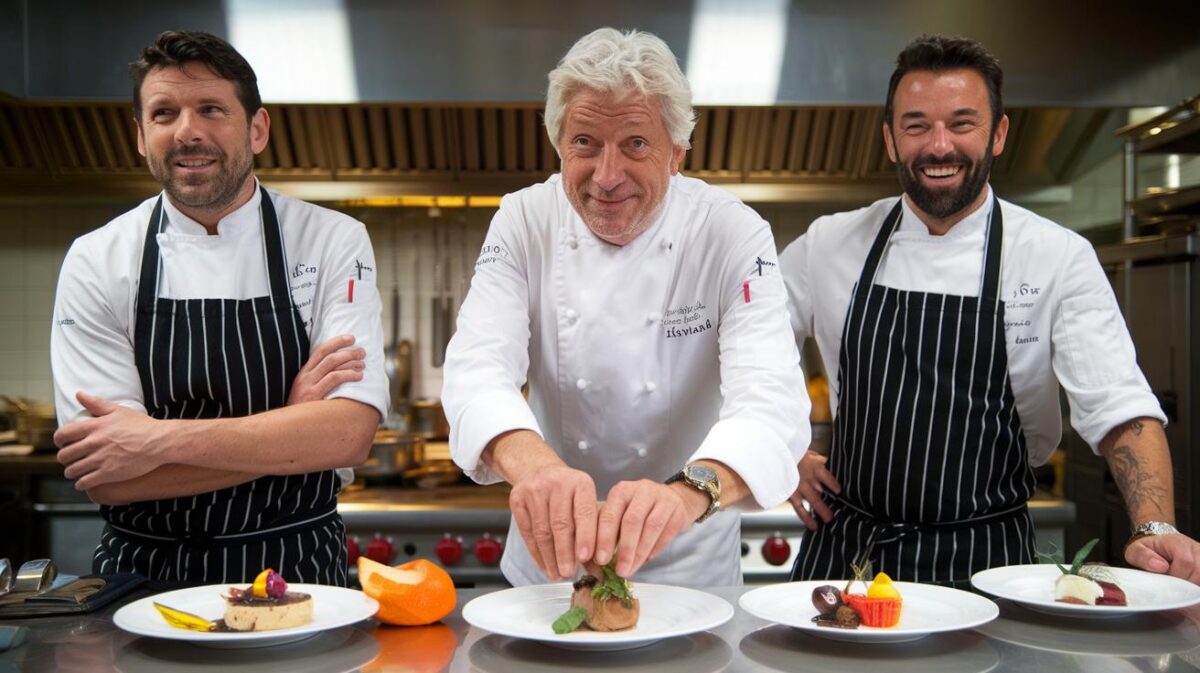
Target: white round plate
[(1150, 634), (342, 650), (927, 609), (1032, 586), (332, 607), (527, 612)]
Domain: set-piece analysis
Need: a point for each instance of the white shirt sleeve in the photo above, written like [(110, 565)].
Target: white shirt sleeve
[(487, 360), (794, 266), (763, 428), (347, 302), (91, 349), (1093, 354)]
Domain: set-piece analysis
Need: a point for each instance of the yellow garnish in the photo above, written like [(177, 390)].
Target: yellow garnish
[(184, 620), (259, 588), (882, 587)]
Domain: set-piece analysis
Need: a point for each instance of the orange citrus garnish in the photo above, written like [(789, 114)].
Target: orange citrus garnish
[(416, 593)]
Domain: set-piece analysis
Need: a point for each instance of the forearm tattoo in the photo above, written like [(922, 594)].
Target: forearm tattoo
[(1141, 488)]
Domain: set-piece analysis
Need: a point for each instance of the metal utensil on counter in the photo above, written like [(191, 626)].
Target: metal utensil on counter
[(35, 422), (35, 576), (6, 576)]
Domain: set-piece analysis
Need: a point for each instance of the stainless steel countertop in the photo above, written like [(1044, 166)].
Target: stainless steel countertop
[(1167, 642)]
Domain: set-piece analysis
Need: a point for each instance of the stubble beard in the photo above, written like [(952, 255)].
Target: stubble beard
[(218, 192)]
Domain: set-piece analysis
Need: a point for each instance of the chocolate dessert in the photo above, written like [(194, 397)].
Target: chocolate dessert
[(267, 605)]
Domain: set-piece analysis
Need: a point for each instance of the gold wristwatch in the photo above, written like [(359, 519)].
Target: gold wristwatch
[(705, 480)]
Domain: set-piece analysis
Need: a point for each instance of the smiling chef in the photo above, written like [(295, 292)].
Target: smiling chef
[(952, 318), (646, 311)]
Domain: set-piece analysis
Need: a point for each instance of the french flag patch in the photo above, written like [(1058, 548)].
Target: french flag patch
[(746, 291)]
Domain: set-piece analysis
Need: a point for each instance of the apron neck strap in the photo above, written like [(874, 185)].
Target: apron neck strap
[(272, 236), (989, 289)]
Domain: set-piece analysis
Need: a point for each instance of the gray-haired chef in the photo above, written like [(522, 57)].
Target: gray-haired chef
[(646, 311)]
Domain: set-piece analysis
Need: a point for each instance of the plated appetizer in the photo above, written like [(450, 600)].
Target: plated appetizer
[(879, 607), (600, 604), (1088, 583), (266, 605)]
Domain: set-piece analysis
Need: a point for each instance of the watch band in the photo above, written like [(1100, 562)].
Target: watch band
[(1148, 528), (710, 487)]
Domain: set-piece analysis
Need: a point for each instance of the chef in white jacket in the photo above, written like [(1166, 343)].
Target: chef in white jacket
[(646, 311), (948, 319)]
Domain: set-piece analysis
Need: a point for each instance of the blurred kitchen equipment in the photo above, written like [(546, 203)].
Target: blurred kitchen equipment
[(35, 422), (429, 420), (443, 298), (6, 576), (397, 357), (391, 454)]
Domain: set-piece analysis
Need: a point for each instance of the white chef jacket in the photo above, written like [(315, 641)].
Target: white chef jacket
[(91, 340), (640, 358), (1062, 324)]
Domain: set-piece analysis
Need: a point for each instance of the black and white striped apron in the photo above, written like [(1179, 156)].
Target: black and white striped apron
[(927, 443), (213, 358)]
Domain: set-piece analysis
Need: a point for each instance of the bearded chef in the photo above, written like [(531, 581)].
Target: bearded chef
[(951, 318), (646, 312), (192, 408)]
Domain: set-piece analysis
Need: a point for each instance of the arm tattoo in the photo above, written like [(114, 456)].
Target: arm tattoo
[(1140, 488)]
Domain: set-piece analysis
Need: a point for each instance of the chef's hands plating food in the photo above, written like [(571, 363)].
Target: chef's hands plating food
[(815, 478), (554, 505), (640, 518)]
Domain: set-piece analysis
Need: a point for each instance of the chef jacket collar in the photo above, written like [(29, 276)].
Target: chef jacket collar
[(245, 218), (911, 226)]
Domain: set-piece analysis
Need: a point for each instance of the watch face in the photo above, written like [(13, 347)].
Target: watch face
[(701, 473)]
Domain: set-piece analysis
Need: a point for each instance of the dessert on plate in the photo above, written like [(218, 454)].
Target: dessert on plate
[(879, 607), (266, 605), (1088, 583)]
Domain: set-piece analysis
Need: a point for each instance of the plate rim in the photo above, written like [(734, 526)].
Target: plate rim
[(121, 618), (1070, 609), (879, 634), (598, 639)]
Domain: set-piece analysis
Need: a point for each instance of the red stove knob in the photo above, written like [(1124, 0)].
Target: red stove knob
[(776, 549), (449, 549), (488, 550), (352, 550), (380, 549)]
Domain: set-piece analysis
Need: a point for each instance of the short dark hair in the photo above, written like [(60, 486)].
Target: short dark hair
[(176, 48), (939, 53)]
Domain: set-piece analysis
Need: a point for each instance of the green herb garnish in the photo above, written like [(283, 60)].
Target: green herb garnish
[(1077, 562), (613, 586), (569, 620)]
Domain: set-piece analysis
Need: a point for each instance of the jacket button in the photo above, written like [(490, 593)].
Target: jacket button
[(572, 242), (651, 386), (641, 451), (583, 445), (581, 384), (571, 315), (665, 244), (653, 316)]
